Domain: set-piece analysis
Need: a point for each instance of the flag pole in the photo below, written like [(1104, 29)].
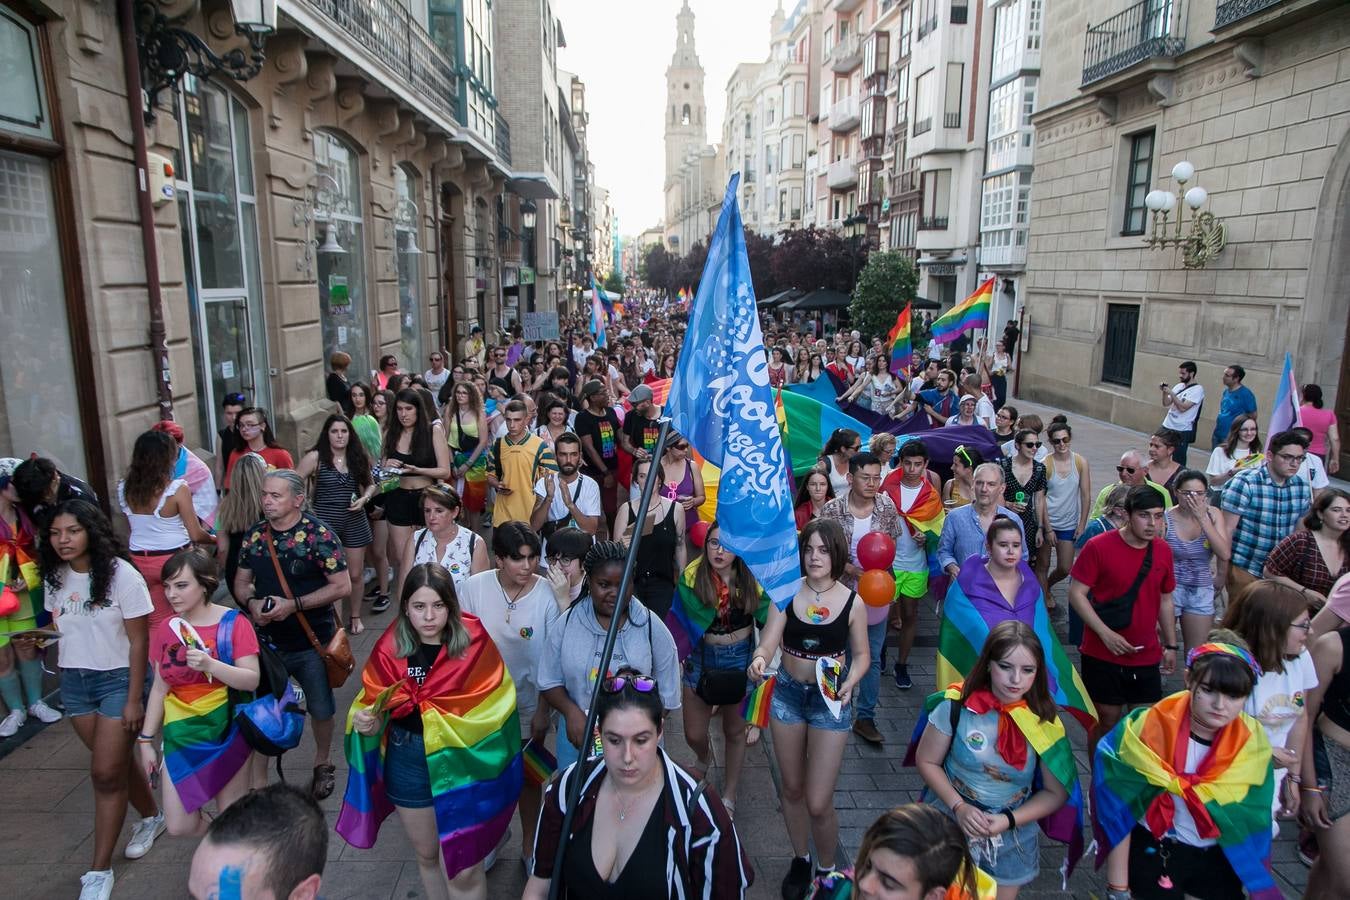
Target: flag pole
[(606, 655)]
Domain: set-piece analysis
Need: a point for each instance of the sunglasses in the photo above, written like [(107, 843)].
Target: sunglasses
[(1059, 440), (1126, 470), (643, 684), (1035, 444)]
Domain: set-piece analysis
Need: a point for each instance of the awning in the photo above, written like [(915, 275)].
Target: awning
[(821, 298), (942, 260), (925, 303), (531, 185), (778, 298)]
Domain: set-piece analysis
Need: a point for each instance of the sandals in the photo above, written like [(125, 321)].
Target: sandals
[(354, 626), (325, 779)]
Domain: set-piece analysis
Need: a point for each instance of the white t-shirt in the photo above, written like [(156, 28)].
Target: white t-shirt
[(1314, 471), (1279, 698), (910, 555), (94, 637), (1191, 393), (1183, 823), (860, 528), (586, 492), (523, 639), (1220, 463)]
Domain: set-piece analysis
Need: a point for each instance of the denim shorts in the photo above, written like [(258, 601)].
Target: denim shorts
[(1010, 858), (85, 691), (306, 667), (1064, 534), (797, 702), (1197, 601), (406, 780), (716, 656)]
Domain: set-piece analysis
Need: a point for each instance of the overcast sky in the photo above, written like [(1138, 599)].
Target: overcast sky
[(621, 51)]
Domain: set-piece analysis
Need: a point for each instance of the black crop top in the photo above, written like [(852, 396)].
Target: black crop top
[(807, 641), (1336, 701)]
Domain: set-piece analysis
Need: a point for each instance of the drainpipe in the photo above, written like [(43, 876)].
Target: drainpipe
[(159, 345)]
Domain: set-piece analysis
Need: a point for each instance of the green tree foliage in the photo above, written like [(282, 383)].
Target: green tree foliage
[(614, 282), (885, 285)]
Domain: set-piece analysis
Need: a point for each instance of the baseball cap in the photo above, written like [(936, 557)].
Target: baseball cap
[(592, 387)]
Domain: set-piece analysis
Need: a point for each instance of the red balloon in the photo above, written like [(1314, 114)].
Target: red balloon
[(877, 587), (698, 533), (876, 551)]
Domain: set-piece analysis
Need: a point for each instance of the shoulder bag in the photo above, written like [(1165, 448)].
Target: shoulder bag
[(1118, 612), (337, 656)]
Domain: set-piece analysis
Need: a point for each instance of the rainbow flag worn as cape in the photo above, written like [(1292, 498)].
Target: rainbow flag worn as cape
[(925, 515), (902, 350), (970, 313), (974, 605), (689, 617), (472, 736), (203, 747), (1136, 778), (1055, 752)]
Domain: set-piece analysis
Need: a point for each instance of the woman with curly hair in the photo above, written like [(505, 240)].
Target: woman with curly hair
[(100, 604), (342, 486)]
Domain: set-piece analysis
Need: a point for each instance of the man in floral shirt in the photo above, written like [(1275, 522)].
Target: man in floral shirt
[(309, 554)]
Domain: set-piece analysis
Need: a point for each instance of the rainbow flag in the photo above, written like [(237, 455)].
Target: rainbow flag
[(539, 763), (902, 350), (689, 617), (806, 425), (972, 312), (203, 748), (599, 317), (472, 735), (755, 706), (974, 605), (1229, 797), (1052, 746)]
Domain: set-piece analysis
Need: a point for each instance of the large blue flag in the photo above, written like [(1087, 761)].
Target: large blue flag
[(721, 401), (1285, 412)]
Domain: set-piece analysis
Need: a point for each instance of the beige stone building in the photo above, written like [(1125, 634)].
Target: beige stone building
[(1256, 95), (352, 195)]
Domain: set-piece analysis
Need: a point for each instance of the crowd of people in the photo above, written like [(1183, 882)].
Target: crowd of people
[(478, 515)]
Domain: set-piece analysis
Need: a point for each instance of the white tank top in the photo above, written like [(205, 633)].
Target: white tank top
[(151, 531)]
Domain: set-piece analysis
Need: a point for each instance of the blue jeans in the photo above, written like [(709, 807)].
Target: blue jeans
[(870, 686)]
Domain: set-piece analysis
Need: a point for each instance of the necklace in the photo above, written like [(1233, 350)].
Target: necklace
[(511, 602), (815, 612), (625, 810)]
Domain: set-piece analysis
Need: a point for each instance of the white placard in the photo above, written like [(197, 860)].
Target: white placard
[(541, 326)]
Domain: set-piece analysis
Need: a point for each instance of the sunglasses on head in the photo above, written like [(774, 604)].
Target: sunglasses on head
[(643, 684)]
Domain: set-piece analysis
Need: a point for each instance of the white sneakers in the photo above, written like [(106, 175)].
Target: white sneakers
[(12, 723), (44, 713), (143, 836), (96, 885)]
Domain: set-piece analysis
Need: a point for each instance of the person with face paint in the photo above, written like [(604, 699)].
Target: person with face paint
[(569, 666), (1182, 790), (643, 826), (432, 677), (271, 845)]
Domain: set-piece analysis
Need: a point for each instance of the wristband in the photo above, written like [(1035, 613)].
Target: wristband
[(1310, 790), (1296, 779), (146, 738), (1172, 647), (1012, 823), (960, 802)]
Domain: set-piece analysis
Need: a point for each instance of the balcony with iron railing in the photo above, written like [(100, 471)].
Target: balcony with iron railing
[(1242, 16), (1149, 30), (923, 126), (932, 223), (951, 120), (846, 54), (503, 138), (386, 31)]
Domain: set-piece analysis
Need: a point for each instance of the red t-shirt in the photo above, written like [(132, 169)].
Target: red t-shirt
[(1108, 566), (275, 457), (170, 655)]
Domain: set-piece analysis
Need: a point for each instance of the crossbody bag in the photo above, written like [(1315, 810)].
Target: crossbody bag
[(337, 655), (1118, 612)]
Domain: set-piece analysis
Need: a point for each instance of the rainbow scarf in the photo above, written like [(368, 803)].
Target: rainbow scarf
[(974, 605), (970, 313), (925, 515), (203, 747), (902, 350), (690, 617), (1137, 777), (472, 736), (1056, 757)]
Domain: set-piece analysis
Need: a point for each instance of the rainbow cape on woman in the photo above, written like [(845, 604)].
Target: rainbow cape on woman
[(1052, 746), (1136, 777), (689, 617), (974, 605), (203, 747), (472, 736)]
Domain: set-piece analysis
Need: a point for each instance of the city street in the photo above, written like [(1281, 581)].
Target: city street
[(46, 823)]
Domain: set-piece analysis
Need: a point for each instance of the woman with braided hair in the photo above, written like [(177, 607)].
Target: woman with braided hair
[(567, 671)]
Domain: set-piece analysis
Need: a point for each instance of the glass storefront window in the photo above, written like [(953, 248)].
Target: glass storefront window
[(218, 223), (39, 409), (342, 269), (407, 224)]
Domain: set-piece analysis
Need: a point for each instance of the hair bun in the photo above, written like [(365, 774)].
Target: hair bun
[(1060, 419)]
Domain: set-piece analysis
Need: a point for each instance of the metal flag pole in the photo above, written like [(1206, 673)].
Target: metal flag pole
[(611, 636)]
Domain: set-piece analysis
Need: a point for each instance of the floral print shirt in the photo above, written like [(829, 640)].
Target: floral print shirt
[(308, 552)]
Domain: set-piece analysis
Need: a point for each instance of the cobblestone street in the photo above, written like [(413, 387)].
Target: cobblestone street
[(46, 820)]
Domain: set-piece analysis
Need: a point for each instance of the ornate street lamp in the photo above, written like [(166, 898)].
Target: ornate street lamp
[(168, 52), (1204, 239)]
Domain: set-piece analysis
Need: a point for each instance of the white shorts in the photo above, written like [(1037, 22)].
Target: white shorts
[(1198, 601)]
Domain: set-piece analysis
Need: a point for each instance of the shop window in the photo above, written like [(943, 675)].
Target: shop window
[(408, 255), (339, 232)]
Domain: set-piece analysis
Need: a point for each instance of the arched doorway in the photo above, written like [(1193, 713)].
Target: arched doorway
[(1326, 325)]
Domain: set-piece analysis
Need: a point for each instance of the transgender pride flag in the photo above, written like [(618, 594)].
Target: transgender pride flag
[(1285, 414)]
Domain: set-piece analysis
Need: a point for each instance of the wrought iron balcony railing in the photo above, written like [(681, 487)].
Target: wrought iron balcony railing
[(502, 136), (1147, 30), (1234, 10), (386, 30)]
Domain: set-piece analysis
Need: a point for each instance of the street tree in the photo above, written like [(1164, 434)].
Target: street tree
[(885, 284)]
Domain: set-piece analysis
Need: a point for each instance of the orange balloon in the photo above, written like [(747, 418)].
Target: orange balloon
[(877, 587)]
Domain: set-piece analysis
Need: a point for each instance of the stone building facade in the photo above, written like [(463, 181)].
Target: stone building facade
[(1256, 95)]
